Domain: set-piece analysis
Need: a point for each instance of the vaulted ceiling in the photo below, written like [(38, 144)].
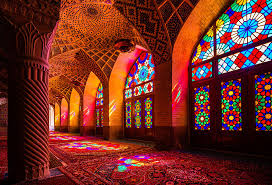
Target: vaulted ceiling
[(88, 29)]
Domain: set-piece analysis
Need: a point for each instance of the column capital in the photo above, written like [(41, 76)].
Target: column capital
[(32, 46)]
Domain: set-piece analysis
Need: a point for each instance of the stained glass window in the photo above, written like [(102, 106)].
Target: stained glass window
[(263, 98), (138, 89), (244, 23), (231, 105), (102, 117), (128, 114), (202, 108), (138, 114), (239, 39), (142, 71), (99, 93), (148, 113), (205, 49), (99, 106), (143, 89), (201, 72), (97, 118), (128, 93), (246, 58)]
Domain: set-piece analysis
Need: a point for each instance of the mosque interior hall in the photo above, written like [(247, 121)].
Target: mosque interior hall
[(148, 92)]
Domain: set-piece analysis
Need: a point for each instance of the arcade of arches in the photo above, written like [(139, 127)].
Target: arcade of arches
[(136, 92)]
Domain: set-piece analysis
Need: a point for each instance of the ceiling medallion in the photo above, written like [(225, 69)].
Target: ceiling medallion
[(124, 45)]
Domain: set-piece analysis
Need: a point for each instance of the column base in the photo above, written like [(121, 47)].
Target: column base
[(36, 172)]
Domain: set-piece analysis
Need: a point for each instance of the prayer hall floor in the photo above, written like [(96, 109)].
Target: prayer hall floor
[(90, 160)]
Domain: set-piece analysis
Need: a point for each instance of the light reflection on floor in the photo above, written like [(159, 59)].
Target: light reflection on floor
[(66, 138), (90, 145), (54, 134), (125, 164), (58, 136)]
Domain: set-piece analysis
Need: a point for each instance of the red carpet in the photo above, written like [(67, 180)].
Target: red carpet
[(103, 162), (88, 160), (3, 158)]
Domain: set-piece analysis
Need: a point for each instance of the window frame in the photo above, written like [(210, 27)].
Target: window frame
[(247, 89), (142, 97)]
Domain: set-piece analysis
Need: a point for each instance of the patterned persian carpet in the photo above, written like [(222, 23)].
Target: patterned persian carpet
[(95, 161), (3, 158), (89, 160)]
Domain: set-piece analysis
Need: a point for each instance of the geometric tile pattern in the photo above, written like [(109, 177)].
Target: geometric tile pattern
[(246, 58), (174, 14), (202, 108), (145, 16), (243, 24), (85, 37), (201, 72), (231, 105), (263, 101), (91, 27)]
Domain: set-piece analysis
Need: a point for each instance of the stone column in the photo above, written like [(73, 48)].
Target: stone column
[(28, 131)]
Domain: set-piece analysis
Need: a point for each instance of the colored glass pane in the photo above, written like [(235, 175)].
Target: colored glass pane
[(148, 113), (128, 114), (231, 105), (201, 72), (142, 71), (148, 88), (102, 117), (99, 93), (205, 49), (246, 58), (243, 23), (138, 114), (202, 108), (97, 118), (128, 93), (97, 102), (263, 106), (143, 89)]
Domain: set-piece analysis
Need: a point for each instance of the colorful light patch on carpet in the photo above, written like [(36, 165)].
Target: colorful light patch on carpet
[(66, 138), (54, 134), (93, 146), (125, 164)]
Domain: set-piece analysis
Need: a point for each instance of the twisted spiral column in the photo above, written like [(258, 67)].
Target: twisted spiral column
[(29, 107)]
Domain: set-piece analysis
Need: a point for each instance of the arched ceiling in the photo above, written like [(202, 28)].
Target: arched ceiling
[(88, 29), (84, 42)]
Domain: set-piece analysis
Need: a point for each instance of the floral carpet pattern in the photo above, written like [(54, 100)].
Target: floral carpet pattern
[(97, 161), (89, 160), (3, 158)]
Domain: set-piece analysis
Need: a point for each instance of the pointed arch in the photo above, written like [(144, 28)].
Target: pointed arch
[(64, 122), (89, 97), (117, 82), (194, 27), (225, 68), (74, 111), (57, 117)]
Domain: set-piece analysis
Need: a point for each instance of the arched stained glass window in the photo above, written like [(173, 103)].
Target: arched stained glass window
[(235, 52), (138, 95), (243, 39), (99, 106)]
